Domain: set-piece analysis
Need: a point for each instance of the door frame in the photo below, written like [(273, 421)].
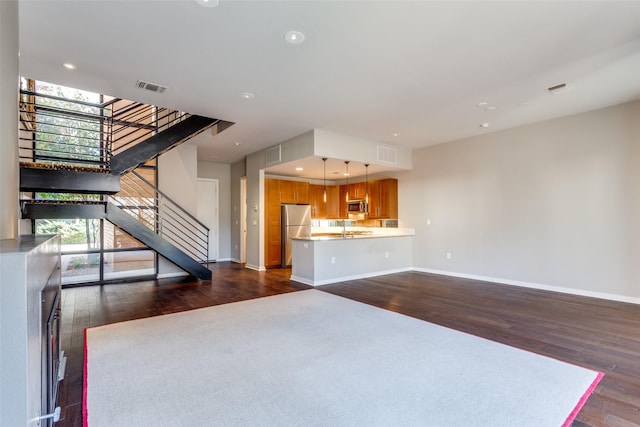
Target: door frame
[(243, 220)]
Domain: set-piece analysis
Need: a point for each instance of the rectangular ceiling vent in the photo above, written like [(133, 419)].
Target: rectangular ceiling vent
[(273, 155), (387, 155), (554, 90), (151, 86)]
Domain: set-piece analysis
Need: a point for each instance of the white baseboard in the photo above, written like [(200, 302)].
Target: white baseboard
[(301, 280), (255, 267), (572, 291), (347, 278), (236, 260)]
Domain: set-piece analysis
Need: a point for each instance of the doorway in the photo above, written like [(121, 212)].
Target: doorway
[(208, 212)]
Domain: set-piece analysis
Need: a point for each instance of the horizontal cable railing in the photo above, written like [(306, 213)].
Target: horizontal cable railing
[(64, 131), (136, 122), (79, 133), (156, 211)]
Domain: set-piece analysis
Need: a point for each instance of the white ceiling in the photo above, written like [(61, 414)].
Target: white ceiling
[(370, 69)]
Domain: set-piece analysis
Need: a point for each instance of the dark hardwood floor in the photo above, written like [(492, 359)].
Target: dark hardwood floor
[(597, 334)]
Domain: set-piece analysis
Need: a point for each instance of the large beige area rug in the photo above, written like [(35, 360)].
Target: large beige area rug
[(310, 358)]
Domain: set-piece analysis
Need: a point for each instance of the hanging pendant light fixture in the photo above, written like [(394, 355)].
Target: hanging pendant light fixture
[(324, 175), (366, 184), (347, 175)]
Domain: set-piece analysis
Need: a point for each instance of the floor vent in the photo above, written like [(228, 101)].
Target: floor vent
[(387, 154), (150, 86), (273, 155)]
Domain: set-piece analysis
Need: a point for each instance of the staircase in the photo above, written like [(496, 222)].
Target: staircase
[(69, 146)]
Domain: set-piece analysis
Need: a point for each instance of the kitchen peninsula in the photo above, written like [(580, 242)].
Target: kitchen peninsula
[(320, 260)]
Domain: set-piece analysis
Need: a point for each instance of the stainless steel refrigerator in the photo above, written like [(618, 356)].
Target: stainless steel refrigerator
[(295, 221)]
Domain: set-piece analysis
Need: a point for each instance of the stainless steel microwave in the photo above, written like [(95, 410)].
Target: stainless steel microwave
[(356, 206)]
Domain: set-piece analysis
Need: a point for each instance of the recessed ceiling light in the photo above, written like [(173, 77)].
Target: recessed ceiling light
[(247, 95), (299, 169), (236, 144), (294, 37), (396, 134), (490, 108), (484, 125), (482, 104), (208, 3), (69, 66)]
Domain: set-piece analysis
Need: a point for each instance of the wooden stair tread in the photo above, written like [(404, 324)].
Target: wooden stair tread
[(50, 166), (63, 202)]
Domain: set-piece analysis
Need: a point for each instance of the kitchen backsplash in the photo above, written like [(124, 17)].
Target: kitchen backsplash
[(373, 223)]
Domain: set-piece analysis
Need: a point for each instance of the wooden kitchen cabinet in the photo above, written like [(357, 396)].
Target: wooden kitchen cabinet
[(316, 200), (333, 202), (357, 191), (342, 202), (383, 199), (272, 239), (294, 192), (320, 209)]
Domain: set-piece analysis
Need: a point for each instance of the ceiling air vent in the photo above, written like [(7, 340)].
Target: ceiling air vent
[(554, 90), (273, 155), (151, 86), (387, 154)]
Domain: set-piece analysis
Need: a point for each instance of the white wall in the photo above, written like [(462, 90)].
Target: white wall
[(9, 208), (347, 147), (238, 171), (177, 178), (221, 172), (255, 164), (555, 204), (178, 175)]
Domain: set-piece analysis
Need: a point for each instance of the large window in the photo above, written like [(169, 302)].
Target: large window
[(81, 244)]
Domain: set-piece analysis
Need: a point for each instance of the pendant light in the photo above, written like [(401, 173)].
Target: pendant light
[(324, 175), (347, 175), (366, 184)]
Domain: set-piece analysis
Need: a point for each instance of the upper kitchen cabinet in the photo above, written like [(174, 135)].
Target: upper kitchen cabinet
[(383, 199), (333, 202), (357, 191), (320, 209), (294, 192), (316, 200)]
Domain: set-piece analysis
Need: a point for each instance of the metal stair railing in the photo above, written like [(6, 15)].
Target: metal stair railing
[(135, 122), (158, 212), (58, 130), (76, 133)]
